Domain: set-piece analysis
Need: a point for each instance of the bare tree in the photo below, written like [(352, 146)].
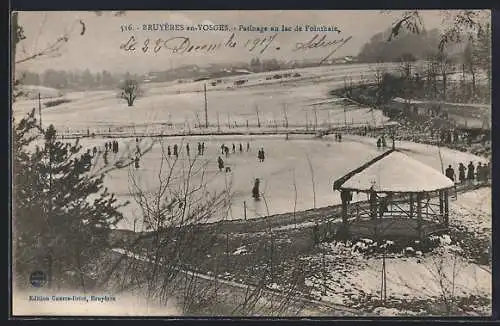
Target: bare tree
[(130, 90)]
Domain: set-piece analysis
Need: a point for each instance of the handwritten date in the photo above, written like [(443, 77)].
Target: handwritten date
[(185, 45)]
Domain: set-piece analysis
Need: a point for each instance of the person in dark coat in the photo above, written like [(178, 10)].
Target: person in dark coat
[(255, 189), (220, 162), (241, 148), (223, 149), (461, 172), (187, 149), (340, 137), (176, 150), (105, 157), (248, 146), (479, 172), (203, 148), (94, 150), (470, 171), (263, 154), (379, 143), (234, 149), (136, 162), (226, 151), (199, 148), (384, 143), (87, 158), (450, 173), (169, 152)]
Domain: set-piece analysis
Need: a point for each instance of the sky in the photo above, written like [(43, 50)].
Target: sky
[(99, 48)]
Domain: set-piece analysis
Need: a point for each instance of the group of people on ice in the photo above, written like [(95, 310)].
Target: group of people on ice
[(112, 146), (225, 149), (261, 156), (481, 173), (176, 152)]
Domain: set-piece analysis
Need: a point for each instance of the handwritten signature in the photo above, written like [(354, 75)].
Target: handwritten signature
[(185, 45)]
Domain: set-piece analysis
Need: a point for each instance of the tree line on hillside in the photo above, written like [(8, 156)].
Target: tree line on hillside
[(380, 49), (61, 79)]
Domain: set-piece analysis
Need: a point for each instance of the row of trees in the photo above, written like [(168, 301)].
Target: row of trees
[(61, 79), (380, 49)]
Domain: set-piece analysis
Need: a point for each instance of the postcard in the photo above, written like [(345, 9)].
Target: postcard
[(251, 163)]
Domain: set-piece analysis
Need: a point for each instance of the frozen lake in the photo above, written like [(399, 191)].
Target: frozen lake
[(286, 177)]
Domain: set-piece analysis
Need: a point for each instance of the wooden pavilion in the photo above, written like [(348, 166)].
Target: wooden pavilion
[(404, 198)]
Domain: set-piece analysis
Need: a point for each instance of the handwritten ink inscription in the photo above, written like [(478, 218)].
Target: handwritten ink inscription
[(184, 45)]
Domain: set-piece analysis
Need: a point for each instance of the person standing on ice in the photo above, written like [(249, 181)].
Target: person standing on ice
[(176, 150), (248, 146), (203, 148), (223, 149), (255, 189), (199, 148), (187, 149), (94, 150), (220, 162), (379, 143), (226, 151), (241, 148), (384, 143), (234, 149), (261, 155), (136, 162), (470, 172), (450, 173), (105, 157), (461, 173), (169, 152)]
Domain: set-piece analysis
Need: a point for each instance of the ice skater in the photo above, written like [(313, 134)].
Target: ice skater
[(176, 150), (241, 148), (255, 189), (220, 163), (169, 151), (261, 155), (226, 151), (187, 149), (234, 149), (203, 148), (248, 146), (199, 149)]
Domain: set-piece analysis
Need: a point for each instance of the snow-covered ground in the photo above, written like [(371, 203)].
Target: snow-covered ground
[(183, 103), (439, 274)]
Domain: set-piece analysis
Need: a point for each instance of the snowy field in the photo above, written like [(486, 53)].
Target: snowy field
[(182, 104)]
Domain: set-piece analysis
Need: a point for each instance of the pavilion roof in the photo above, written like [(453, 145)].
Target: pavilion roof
[(394, 171)]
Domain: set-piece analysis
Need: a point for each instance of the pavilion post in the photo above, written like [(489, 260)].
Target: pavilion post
[(411, 205), (441, 203), (446, 213), (343, 197), (419, 214)]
